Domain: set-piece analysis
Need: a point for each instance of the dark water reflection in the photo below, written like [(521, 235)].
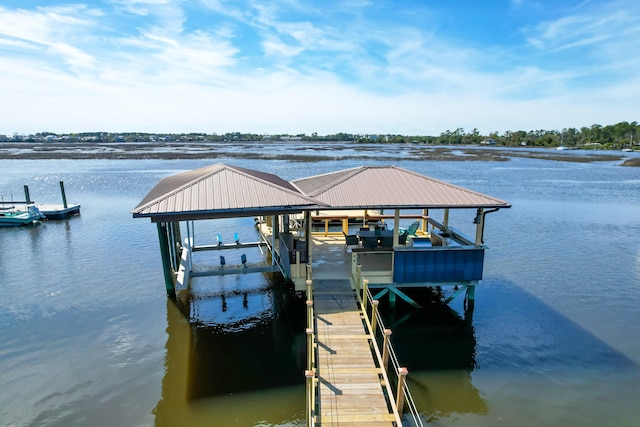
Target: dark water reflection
[(519, 336), (244, 340), (238, 373)]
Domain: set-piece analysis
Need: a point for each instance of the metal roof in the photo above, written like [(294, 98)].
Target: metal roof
[(218, 191), (390, 187)]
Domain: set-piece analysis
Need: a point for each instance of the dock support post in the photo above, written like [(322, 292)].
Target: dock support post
[(469, 298), (26, 194), (163, 238), (64, 196), (402, 373), (445, 221)]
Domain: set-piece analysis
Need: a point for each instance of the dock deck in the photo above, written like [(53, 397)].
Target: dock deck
[(350, 386)]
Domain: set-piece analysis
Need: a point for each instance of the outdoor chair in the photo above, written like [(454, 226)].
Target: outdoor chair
[(411, 231), (349, 240)]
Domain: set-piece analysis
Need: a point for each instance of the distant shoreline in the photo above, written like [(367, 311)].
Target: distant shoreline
[(256, 150)]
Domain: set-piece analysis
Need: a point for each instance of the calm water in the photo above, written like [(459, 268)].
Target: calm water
[(89, 338)]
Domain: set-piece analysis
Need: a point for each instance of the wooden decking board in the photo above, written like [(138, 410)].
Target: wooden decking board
[(349, 382)]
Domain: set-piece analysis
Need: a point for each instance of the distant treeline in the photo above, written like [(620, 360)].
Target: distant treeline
[(620, 135)]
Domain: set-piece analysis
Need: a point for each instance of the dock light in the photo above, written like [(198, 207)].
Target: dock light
[(222, 261)]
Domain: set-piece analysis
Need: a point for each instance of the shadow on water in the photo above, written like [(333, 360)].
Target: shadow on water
[(511, 337), (235, 354)]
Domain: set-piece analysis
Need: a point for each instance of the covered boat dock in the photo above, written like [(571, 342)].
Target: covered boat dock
[(361, 209), (336, 236)]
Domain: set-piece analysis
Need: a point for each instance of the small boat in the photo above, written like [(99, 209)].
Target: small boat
[(12, 217)]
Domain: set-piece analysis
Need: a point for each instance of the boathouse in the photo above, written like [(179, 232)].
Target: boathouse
[(337, 237), (360, 209)]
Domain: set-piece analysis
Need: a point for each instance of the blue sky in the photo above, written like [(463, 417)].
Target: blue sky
[(290, 66)]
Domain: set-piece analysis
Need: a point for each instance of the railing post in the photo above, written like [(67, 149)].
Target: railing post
[(402, 373), (310, 313), (309, 289), (385, 348), (310, 352), (359, 276), (374, 316), (310, 374), (365, 294)]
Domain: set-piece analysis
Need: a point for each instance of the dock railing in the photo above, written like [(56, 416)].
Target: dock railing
[(397, 373), (310, 372)]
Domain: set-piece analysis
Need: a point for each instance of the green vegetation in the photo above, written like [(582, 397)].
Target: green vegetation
[(611, 137)]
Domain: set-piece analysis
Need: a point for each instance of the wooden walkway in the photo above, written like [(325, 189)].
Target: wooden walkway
[(350, 390)]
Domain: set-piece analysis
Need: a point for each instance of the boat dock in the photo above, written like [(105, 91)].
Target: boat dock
[(352, 374), (352, 387), (49, 210)]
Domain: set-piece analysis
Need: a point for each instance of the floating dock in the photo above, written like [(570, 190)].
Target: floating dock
[(55, 211)]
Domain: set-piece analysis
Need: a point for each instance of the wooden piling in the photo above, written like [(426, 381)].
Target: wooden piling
[(163, 239), (64, 196)]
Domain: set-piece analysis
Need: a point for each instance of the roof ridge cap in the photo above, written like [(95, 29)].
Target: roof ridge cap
[(344, 175), (274, 185)]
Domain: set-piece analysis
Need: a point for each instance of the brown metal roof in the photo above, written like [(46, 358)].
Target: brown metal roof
[(220, 190), (390, 187)]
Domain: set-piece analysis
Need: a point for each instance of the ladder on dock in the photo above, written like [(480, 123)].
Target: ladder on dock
[(350, 385)]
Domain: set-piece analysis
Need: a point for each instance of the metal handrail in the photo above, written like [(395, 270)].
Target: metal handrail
[(312, 347), (377, 324)]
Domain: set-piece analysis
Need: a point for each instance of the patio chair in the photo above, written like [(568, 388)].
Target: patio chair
[(349, 240), (411, 231)]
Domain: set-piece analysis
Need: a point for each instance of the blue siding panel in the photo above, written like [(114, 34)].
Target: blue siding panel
[(438, 264)]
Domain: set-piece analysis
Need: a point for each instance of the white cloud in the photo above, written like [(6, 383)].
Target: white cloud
[(254, 69)]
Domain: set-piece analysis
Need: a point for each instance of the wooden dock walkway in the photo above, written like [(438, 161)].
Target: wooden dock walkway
[(350, 384)]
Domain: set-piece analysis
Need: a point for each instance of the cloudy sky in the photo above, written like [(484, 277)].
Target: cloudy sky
[(293, 66)]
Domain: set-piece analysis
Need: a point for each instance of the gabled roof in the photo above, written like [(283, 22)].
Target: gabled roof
[(390, 187), (220, 190)]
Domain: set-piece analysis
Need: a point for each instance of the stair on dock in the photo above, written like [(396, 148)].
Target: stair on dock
[(350, 391)]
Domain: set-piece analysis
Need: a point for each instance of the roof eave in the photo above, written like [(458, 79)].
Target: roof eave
[(225, 213)]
